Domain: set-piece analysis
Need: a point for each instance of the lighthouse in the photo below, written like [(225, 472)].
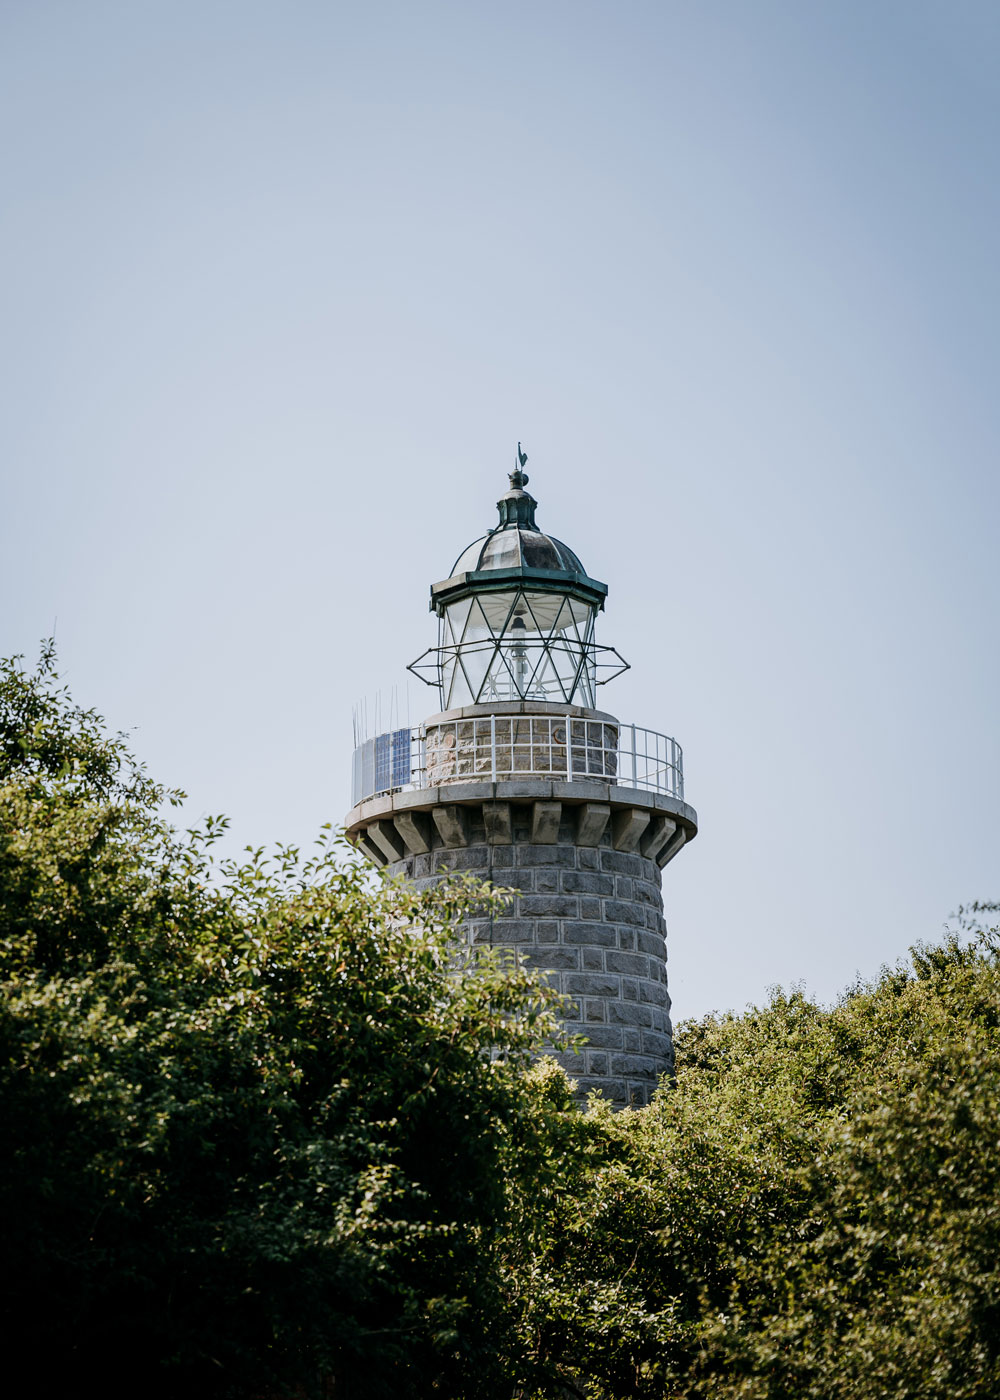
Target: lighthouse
[(521, 779)]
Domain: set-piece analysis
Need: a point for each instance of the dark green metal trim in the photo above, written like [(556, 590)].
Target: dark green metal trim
[(588, 590)]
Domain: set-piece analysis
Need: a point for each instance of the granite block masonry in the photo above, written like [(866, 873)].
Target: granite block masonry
[(519, 779), (589, 916)]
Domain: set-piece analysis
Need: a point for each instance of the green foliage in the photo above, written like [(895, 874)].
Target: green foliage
[(258, 1118), (270, 1129), (812, 1209)]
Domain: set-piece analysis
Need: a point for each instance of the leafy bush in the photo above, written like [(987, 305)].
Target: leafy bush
[(259, 1120)]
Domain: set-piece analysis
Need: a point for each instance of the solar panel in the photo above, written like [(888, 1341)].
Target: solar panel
[(400, 758), (392, 760)]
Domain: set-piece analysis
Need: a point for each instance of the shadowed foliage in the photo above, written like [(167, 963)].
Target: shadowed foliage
[(259, 1118), (272, 1129)]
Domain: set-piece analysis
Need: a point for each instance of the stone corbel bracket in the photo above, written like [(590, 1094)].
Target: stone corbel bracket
[(392, 827)]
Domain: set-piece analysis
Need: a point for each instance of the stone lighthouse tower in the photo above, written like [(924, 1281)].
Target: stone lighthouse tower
[(521, 780)]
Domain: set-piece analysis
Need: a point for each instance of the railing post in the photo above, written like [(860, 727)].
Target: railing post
[(635, 766), (493, 747), (569, 748)]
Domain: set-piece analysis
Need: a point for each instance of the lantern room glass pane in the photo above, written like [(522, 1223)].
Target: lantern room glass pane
[(518, 645)]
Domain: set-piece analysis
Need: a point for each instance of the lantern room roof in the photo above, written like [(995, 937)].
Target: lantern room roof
[(514, 547), (516, 551)]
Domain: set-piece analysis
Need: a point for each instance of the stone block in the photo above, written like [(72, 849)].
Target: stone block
[(635, 1067), (623, 887), (582, 788), (547, 880), (672, 847), (627, 826), (629, 1013), (375, 807), (650, 943), (592, 958), (452, 823), (597, 1062), (590, 908), (496, 820), (634, 797), (558, 906), (415, 830), (587, 882), (630, 989), (419, 797), (587, 859), (661, 1017), (626, 939), (623, 911), (465, 792), (530, 854), (656, 835), (524, 790), (367, 847), (513, 931), (653, 992), (631, 964), (632, 1038), (519, 880), (646, 893), (621, 862), (545, 823), (604, 1037), (553, 955), (574, 931), (656, 1043), (592, 818), (591, 985), (474, 858), (594, 1011)]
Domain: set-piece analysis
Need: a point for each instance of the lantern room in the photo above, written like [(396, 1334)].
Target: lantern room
[(516, 617)]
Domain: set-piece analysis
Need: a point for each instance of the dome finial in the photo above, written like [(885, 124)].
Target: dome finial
[(519, 477), (517, 507)]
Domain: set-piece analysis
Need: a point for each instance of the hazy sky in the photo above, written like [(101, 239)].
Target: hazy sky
[(283, 284)]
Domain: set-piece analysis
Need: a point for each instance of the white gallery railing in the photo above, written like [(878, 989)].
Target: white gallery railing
[(499, 748)]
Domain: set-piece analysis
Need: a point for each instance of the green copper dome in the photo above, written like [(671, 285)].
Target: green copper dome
[(517, 550)]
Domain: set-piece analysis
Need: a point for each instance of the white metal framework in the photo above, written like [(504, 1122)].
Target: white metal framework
[(516, 644)]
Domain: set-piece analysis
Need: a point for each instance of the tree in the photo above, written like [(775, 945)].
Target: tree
[(260, 1117), (811, 1209)]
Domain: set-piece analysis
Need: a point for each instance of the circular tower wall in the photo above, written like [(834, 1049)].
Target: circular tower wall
[(581, 860)]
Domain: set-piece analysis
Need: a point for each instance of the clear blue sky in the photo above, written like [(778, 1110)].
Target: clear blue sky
[(282, 284)]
